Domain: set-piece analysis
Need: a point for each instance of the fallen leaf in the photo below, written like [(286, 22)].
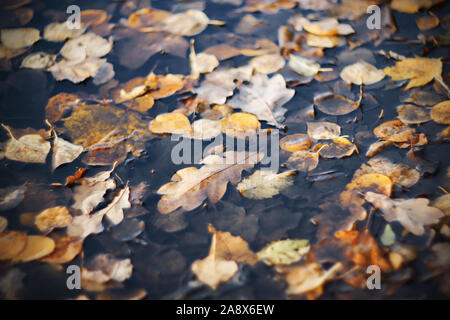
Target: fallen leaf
[(31, 148), (335, 104), (296, 142), (264, 184), (64, 152), (59, 105), (427, 23), (413, 6), (322, 130), (212, 271), (443, 203), (104, 267), (11, 284), (38, 60), (338, 148), (328, 27), (114, 210), (240, 124), (303, 66), (11, 197), (191, 186), (174, 122), (66, 249), (188, 23), (284, 252), (377, 147), (19, 38), (248, 24), (388, 237), (361, 72), (3, 224), (76, 71), (264, 98), (59, 31), (394, 131), (413, 214), (440, 113), (267, 63), (36, 248), (12, 243), (419, 70), (321, 41), (93, 17), (88, 45), (304, 160), (49, 219), (202, 62), (205, 129), (410, 114)]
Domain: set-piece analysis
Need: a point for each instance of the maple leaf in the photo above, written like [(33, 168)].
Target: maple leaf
[(413, 214), (264, 98), (191, 186)]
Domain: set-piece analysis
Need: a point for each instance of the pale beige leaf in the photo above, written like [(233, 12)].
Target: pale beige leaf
[(323, 130), (264, 184), (76, 71), (59, 31), (64, 152), (361, 72), (49, 219), (20, 37)]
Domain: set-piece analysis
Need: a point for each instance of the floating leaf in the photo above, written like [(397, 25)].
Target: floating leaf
[(410, 114), (76, 71), (388, 236), (188, 23), (303, 66), (335, 104), (284, 252), (340, 147), (240, 124), (205, 129), (296, 142), (87, 45), (413, 6), (361, 72), (264, 184), (427, 23), (38, 60), (440, 113), (19, 38), (104, 267), (191, 186), (59, 31), (323, 130), (443, 203), (11, 197), (304, 160), (267, 63), (66, 249), (413, 214), (36, 248), (321, 41), (174, 122), (3, 224), (64, 152), (328, 27), (420, 70), (12, 243), (394, 131), (202, 62), (264, 98), (49, 219), (59, 105)]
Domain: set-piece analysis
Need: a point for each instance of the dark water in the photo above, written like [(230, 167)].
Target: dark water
[(162, 259)]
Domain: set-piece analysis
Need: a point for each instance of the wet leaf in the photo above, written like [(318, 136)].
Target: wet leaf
[(321, 41), (427, 23), (49, 219), (413, 6), (174, 122), (64, 152), (11, 197), (191, 186), (60, 31), (388, 236), (88, 45), (377, 147), (303, 66), (31, 148), (3, 224), (304, 160), (128, 230), (66, 249), (443, 204), (12, 243), (76, 71), (240, 124), (361, 72), (38, 60), (36, 248), (335, 104), (413, 214), (202, 62), (264, 184), (104, 267), (267, 63), (419, 70), (340, 147), (11, 284), (264, 98), (284, 252), (205, 129), (188, 23), (440, 113), (328, 27), (410, 114), (93, 17), (59, 105), (394, 131), (296, 142), (19, 38), (323, 130), (248, 24)]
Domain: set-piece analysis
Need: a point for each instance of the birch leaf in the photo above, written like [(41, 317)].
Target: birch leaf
[(264, 98), (413, 214), (36, 248), (49, 219), (303, 66), (410, 114), (440, 113), (64, 152), (267, 63), (304, 160), (19, 38), (361, 72), (191, 186), (264, 184), (284, 251), (12, 243), (174, 122), (59, 31), (76, 71), (323, 130), (188, 23)]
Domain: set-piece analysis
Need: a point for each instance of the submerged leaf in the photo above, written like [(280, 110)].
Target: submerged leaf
[(36, 248), (284, 252), (410, 114), (264, 184), (323, 130), (49, 219), (440, 113), (12, 243)]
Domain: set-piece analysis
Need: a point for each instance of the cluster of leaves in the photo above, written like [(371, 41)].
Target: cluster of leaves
[(238, 101)]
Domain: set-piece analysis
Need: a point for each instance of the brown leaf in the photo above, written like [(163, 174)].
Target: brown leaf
[(36, 248), (49, 219), (12, 243)]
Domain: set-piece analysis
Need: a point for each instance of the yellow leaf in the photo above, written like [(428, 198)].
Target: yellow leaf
[(174, 122), (440, 113), (36, 248)]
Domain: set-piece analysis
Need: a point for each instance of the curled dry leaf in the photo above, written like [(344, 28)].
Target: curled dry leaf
[(31, 148), (304, 160), (49, 219), (296, 142), (394, 131), (19, 38), (413, 214), (240, 124), (11, 197), (361, 72), (191, 186), (410, 114), (321, 130), (174, 122), (264, 184), (59, 31), (221, 264), (440, 113), (420, 70), (338, 148), (267, 63), (12, 243), (36, 248), (284, 252), (264, 98)]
